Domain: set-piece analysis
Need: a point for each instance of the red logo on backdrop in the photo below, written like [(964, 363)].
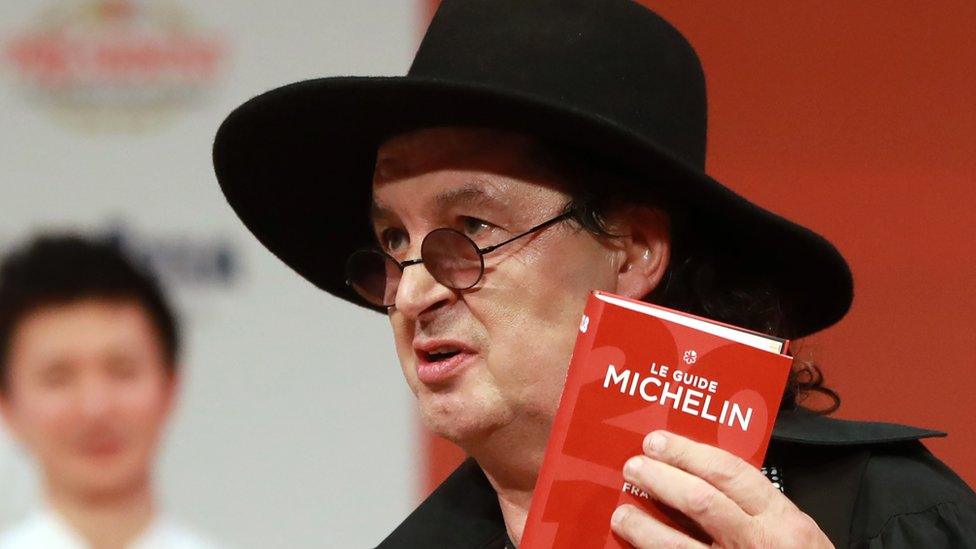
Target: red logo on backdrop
[(115, 64)]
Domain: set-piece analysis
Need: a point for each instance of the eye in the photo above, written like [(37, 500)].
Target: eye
[(474, 227), (56, 376), (122, 368), (392, 239)]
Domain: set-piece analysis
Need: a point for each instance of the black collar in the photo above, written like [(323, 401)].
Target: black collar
[(463, 511)]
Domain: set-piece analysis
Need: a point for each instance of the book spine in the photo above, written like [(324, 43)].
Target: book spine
[(589, 325)]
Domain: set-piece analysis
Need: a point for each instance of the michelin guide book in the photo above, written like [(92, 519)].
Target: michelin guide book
[(636, 368)]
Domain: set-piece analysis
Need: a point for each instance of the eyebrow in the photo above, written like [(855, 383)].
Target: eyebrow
[(468, 195)]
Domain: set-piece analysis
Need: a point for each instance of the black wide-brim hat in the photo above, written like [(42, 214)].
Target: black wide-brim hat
[(608, 77)]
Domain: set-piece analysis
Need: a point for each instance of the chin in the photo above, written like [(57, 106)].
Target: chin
[(113, 484), (106, 479), (463, 420)]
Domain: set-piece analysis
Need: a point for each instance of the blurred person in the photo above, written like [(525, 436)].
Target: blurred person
[(88, 381), (536, 150)]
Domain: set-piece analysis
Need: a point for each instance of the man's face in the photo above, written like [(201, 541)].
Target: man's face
[(88, 393), (483, 358)]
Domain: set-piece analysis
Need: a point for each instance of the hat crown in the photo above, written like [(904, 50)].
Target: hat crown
[(604, 76), (613, 59)]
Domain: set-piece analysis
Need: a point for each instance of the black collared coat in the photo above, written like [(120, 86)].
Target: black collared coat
[(867, 485)]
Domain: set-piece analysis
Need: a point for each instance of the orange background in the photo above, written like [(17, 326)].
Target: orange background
[(857, 119)]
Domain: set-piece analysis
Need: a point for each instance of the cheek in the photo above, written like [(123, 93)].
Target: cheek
[(144, 404), (537, 312), (556, 284), (43, 417)]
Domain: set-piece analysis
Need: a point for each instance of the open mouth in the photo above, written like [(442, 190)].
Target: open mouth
[(441, 354), (439, 362)]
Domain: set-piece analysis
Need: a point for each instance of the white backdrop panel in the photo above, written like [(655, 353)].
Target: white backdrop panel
[(295, 427)]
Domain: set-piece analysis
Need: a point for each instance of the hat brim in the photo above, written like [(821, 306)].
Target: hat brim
[(296, 166)]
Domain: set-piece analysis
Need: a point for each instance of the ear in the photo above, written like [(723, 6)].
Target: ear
[(645, 250)]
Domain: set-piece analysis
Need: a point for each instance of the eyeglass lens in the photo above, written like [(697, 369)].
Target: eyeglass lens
[(451, 258), (374, 275)]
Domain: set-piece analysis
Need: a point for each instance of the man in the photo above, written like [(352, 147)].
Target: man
[(536, 150), (88, 380)]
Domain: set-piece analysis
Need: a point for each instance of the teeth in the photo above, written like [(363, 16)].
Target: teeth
[(444, 350)]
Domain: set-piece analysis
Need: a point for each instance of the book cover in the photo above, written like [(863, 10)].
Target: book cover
[(637, 367)]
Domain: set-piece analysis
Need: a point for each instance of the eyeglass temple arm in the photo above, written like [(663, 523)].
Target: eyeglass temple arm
[(538, 227)]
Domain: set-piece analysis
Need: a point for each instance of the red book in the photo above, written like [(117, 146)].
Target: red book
[(636, 368)]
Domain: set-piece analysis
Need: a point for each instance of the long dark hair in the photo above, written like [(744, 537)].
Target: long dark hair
[(694, 281)]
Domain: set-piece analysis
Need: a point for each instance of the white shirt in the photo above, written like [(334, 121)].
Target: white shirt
[(47, 530)]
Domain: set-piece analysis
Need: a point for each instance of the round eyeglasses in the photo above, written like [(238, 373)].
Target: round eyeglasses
[(453, 259)]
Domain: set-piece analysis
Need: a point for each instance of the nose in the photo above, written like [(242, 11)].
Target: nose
[(94, 399), (418, 292)]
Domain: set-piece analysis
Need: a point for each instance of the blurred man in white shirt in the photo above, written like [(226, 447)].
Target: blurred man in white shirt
[(88, 379)]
